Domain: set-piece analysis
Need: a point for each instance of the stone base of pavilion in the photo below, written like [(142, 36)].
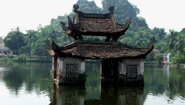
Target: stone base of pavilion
[(68, 71)]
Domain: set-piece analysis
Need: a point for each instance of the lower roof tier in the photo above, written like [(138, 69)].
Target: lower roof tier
[(96, 50)]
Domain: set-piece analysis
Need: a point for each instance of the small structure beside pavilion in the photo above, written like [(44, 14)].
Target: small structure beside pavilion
[(120, 62)]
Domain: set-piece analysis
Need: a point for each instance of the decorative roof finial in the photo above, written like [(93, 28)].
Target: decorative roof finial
[(152, 41), (111, 9), (75, 7)]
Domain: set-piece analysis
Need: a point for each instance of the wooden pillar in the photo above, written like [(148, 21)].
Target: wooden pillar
[(54, 67)]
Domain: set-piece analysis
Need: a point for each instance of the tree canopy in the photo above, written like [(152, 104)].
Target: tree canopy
[(14, 40)]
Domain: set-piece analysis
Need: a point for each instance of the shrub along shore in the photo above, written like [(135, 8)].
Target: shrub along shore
[(24, 58)]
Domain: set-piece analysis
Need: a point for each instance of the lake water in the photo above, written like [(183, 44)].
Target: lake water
[(31, 84)]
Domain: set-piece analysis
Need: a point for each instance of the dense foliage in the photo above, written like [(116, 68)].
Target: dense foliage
[(14, 41), (175, 41), (137, 35)]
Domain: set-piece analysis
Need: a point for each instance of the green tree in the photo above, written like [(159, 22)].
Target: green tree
[(24, 50), (30, 38), (178, 58), (40, 48), (159, 33), (171, 39), (14, 40), (140, 42), (88, 6), (179, 44), (159, 57), (150, 57), (161, 45)]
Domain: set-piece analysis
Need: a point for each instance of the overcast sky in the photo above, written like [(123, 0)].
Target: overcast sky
[(28, 14), (168, 14)]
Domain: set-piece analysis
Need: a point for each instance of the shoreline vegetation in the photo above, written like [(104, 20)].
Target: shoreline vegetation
[(24, 58), (171, 64)]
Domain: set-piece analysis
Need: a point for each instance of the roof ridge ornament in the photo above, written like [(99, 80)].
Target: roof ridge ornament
[(128, 20), (152, 40), (111, 9), (75, 7)]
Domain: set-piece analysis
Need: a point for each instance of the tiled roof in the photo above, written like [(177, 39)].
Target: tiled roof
[(101, 50), (99, 25), (95, 24)]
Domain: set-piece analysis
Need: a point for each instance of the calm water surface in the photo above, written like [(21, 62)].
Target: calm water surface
[(30, 84)]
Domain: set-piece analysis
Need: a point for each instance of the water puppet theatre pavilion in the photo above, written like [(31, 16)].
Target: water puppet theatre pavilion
[(120, 62)]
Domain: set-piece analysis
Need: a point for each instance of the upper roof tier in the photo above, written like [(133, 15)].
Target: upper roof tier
[(94, 24)]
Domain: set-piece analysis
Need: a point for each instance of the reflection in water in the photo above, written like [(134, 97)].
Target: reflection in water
[(95, 93), (110, 95), (24, 83), (161, 83), (30, 83), (165, 82), (30, 75), (115, 95), (67, 95)]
